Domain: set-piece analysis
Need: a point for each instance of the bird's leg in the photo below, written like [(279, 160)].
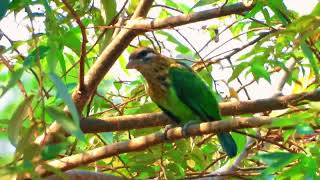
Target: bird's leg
[(186, 126), (166, 128)]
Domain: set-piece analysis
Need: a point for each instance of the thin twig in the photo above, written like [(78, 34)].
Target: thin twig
[(83, 44)]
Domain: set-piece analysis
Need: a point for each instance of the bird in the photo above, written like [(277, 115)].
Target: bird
[(179, 92)]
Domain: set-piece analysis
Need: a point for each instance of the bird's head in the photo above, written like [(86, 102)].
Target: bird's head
[(143, 59)]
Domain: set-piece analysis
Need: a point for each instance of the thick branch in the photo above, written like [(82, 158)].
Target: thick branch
[(174, 21), (97, 72), (144, 142), (122, 123)]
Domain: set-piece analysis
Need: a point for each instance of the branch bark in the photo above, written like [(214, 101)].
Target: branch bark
[(175, 21), (121, 123), (144, 142)]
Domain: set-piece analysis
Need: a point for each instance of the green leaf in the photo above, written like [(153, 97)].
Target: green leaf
[(308, 53), (266, 15), (258, 70), (240, 140), (286, 134), (203, 3), (180, 6), (3, 8), (239, 68), (123, 62), (180, 47), (16, 120), (304, 129), (37, 54), (71, 39), (15, 76), (51, 151), (280, 10), (277, 160), (66, 122), (257, 8), (64, 95), (132, 6), (145, 108), (293, 119)]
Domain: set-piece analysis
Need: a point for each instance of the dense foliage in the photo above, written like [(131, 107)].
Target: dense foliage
[(238, 55)]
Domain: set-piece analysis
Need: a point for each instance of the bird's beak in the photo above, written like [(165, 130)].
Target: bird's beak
[(133, 64)]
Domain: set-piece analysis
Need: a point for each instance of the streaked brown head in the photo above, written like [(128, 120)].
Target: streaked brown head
[(142, 57)]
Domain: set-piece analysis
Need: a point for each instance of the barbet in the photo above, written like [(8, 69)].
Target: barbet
[(179, 92)]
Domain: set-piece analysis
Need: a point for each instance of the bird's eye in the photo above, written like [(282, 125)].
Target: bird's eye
[(142, 54)]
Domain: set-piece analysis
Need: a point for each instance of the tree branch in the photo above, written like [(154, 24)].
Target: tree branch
[(83, 44), (174, 21), (144, 142), (121, 123)]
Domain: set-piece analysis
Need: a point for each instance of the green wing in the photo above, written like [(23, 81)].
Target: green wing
[(193, 92)]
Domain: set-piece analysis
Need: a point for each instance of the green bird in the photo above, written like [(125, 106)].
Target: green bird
[(179, 92)]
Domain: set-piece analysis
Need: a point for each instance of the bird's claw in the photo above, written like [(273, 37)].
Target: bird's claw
[(166, 128), (186, 126)]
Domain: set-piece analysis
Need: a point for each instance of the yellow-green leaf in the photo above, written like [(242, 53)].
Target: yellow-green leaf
[(16, 120)]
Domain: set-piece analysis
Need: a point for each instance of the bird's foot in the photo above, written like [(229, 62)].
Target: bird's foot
[(166, 128), (186, 126)]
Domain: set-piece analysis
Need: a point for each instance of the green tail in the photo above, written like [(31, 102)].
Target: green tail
[(228, 144)]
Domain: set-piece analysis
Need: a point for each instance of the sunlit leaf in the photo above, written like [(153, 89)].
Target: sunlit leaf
[(257, 8), (258, 70), (66, 122), (35, 55), (16, 75), (179, 46), (308, 53), (204, 2), (238, 69), (16, 120), (277, 160), (65, 96)]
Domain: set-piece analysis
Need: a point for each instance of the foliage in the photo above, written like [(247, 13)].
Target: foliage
[(40, 72)]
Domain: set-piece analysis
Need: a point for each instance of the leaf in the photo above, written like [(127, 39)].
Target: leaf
[(37, 54), (123, 62), (180, 6), (257, 8), (71, 39), (3, 8), (308, 53), (16, 75), (240, 140), (64, 95), (266, 15), (280, 10), (277, 160), (132, 6), (66, 122), (258, 70), (145, 108), (16, 120), (304, 129), (203, 3), (180, 47), (287, 134), (51, 151), (239, 68)]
